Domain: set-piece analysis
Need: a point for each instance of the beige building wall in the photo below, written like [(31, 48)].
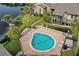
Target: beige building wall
[(48, 9), (38, 10), (67, 18)]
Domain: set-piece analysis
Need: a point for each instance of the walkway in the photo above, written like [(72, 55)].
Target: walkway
[(3, 51)]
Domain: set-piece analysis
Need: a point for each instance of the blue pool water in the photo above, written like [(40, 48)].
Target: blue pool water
[(42, 42)]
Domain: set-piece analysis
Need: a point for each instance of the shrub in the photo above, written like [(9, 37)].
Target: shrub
[(46, 17), (64, 29)]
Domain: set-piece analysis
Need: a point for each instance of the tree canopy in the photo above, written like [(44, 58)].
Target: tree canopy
[(29, 8), (47, 17), (75, 29), (7, 18)]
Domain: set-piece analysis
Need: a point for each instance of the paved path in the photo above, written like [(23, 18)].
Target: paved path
[(36, 22), (3, 51)]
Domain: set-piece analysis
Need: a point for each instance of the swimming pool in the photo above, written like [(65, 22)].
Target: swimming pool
[(42, 42)]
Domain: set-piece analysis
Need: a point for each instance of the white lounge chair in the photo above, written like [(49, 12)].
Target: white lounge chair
[(61, 42)]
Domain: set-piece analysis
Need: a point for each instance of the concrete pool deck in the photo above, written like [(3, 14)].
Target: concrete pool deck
[(26, 39)]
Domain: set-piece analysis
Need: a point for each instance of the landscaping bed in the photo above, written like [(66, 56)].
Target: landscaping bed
[(52, 26), (60, 28)]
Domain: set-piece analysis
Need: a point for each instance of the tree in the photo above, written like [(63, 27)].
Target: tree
[(46, 17), (7, 18), (18, 18), (14, 29), (74, 29), (29, 8), (23, 13), (17, 23)]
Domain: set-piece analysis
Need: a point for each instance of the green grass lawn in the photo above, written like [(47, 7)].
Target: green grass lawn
[(13, 46)]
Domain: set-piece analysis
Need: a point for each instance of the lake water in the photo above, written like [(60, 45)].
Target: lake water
[(13, 11)]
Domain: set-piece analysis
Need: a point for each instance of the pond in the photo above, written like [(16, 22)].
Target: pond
[(13, 11)]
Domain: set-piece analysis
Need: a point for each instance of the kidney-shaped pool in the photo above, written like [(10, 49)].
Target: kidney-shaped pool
[(42, 42)]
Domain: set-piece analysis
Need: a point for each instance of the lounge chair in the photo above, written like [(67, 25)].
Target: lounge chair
[(61, 43)]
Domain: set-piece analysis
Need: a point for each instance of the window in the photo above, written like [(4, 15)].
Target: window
[(60, 17), (75, 15)]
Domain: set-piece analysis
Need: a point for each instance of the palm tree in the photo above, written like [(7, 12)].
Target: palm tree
[(17, 23), (7, 18), (75, 28), (23, 13)]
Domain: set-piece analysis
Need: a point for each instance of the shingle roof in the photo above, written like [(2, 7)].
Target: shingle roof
[(3, 51), (61, 8), (51, 5), (41, 5), (70, 8)]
